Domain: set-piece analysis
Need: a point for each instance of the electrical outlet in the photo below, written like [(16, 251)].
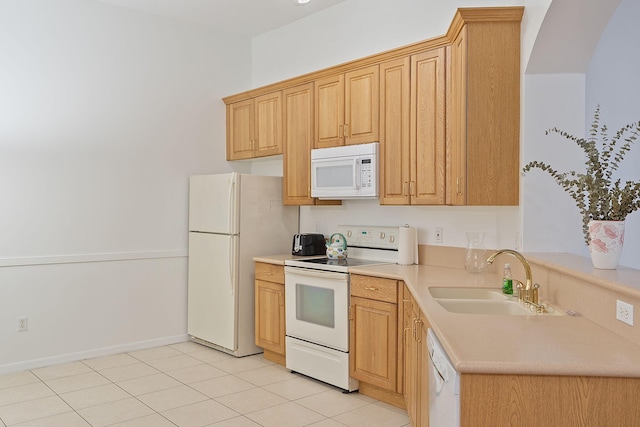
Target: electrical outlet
[(624, 312), (439, 235), (22, 324)]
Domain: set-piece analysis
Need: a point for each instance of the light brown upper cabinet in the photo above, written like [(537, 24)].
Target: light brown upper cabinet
[(484, 113), (446, 112), (412, 129), (375, 354), (298, 107), (298, 141), (254, 127), (395, 151), (347, 108)]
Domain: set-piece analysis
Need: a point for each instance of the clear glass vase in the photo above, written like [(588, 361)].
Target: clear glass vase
[(475, 259)]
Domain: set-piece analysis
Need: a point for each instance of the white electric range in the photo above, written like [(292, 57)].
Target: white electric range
[(317, 304)]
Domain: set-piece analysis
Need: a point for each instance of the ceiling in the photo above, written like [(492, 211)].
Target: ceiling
[(244, 17)]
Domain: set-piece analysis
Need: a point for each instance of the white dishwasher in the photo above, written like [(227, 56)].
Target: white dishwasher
[(444, 386)]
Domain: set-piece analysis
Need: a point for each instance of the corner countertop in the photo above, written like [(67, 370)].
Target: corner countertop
[(497, 344)]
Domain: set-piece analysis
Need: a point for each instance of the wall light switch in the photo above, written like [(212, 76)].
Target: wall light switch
[(624, 312)]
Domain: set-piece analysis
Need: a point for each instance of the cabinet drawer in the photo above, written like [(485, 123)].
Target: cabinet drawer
[(270, 272), (374, 288)]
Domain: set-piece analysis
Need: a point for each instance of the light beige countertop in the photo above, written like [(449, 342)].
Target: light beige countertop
[(503, 344), (510, 344), (274, 259)]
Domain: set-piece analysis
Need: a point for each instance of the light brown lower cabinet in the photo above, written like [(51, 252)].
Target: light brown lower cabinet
[(550, 401), (416, 358), (269, 311), (375, 354)]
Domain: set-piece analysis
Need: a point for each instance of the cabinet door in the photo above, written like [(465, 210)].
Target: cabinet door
[(484, 115), (362, 105), (298, 141), (329, 97), (373, 342), (412, 355), (268, 125), (394, 132), (240, 130), (423, 373), (269, 322), (407, 338), (427, 137), (457, 117)]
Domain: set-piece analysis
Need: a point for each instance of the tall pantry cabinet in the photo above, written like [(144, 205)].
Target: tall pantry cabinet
[(483, 110)]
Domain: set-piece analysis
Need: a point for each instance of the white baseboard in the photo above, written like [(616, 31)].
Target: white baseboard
[(90, 354)]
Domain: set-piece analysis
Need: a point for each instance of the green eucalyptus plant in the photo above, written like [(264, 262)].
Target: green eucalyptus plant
[(596, 193)]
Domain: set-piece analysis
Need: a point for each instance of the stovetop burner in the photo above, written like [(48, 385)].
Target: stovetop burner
[(340, 265), (348, 262)]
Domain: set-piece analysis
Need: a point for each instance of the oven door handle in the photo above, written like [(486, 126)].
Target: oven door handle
[(316, 273)]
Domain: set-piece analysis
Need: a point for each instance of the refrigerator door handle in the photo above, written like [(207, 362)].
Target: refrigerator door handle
[(230, 207), (232, 257)]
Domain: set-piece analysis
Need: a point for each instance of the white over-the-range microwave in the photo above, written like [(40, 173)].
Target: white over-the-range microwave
[(346, 172)]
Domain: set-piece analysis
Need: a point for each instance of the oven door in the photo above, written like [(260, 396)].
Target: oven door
[(317, 307)]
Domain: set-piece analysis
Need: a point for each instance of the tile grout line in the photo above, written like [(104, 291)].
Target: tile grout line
[(129, 394), (200, 363)]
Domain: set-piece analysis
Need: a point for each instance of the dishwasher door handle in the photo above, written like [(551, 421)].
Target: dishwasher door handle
[(440, 379)]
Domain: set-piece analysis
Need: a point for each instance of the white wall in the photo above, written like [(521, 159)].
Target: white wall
[(104, 114), (567, 101), (350, 30), (498, 223), (612, 81), (552, 223)]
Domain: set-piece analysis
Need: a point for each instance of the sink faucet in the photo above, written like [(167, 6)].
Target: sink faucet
[(530, 291)]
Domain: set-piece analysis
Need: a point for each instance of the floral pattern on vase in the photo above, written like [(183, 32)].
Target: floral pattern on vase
[(605, 243)]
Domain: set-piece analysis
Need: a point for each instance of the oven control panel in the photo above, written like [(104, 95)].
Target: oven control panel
[(376, 237)]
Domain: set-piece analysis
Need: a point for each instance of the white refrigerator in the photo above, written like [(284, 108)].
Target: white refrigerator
[(232, 218)]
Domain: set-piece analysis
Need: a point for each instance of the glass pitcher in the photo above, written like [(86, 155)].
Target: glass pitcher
[(475, 259)]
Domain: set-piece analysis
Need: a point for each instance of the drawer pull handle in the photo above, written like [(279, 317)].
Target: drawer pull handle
[(368, 288)]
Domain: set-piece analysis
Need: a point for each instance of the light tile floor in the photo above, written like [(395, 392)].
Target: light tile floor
[(185, 385)]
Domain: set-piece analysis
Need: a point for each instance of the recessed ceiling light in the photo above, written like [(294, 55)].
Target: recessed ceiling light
[(302, 2)]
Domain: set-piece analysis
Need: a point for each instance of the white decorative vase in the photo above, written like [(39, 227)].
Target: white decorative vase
[(605, 243)]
